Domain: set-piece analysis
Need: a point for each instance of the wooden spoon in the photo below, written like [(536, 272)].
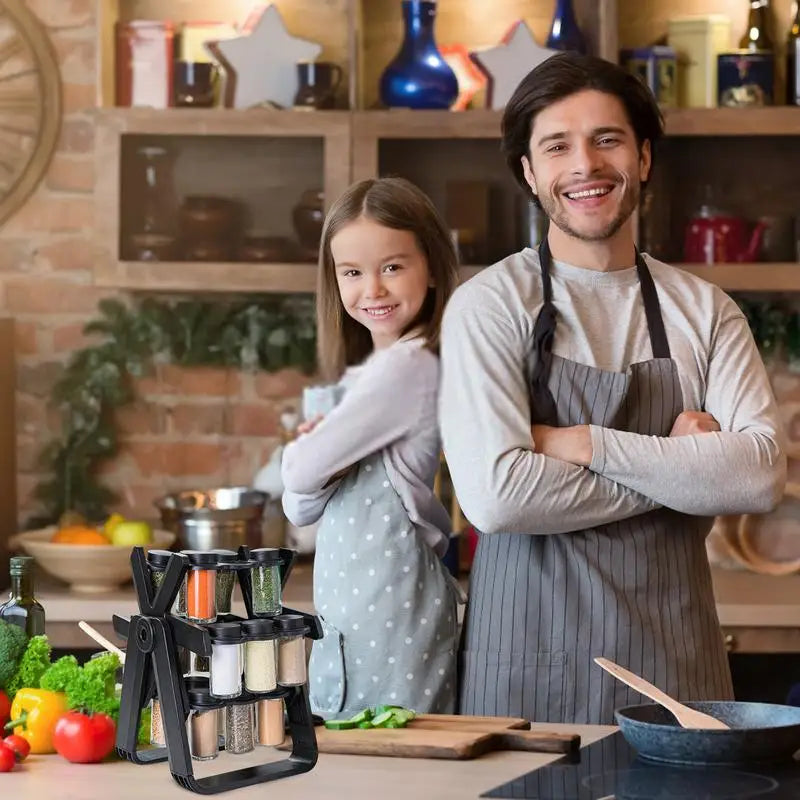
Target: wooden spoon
[(687, 717), (101, 640)]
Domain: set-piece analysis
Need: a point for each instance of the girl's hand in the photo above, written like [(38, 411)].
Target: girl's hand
[(309, 425)]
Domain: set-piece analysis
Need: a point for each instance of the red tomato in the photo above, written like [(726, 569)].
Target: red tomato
[(20, 746), (7, 759), (84, 738), (5, 708)]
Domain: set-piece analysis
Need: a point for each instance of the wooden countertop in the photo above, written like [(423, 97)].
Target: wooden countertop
[(744, 600), (334, 777)]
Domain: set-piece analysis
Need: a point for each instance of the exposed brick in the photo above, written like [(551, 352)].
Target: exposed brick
[(15, 255), (70, 173), (282, 384), (180, 458), (141, 416), (40, 295), (64, 13), (77, 136), (78, 97), (252, 420), (76, 59), (32, 414), (53, 215), (25, 338), (199, 381), (786, 386), (70, 337), (74, 253), (38, 379), (29, 450), (197, 418)]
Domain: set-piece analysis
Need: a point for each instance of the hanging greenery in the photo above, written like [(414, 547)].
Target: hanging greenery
[(775, 324), (259, 334)]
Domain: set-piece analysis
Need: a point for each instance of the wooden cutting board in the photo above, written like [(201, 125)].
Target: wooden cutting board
[(446, 737)]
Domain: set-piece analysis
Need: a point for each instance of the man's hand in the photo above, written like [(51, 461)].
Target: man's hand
[(691, 422), (573, 444), (309, 425)]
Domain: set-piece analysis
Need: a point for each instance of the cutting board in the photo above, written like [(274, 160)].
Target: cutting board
[(447, 737)]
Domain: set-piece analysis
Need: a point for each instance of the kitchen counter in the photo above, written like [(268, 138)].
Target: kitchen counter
[(335, 777), (758, 613)]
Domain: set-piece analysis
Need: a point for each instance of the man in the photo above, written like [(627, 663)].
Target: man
[(598, 408)]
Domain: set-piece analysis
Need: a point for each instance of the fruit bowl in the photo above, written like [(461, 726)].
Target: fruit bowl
[(87, 568)]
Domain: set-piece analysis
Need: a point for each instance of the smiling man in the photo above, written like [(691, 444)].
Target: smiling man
[(598, 408)]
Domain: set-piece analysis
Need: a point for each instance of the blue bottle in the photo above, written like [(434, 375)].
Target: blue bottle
[(418, 77), (564, 32)]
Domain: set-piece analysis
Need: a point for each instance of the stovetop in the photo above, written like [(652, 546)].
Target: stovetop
[(610, 770)]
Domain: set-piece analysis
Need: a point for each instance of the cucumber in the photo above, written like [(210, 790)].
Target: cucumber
[(393, 723), (339, 724), (365, 724), (380, 720), (362, 716), (384, 709)]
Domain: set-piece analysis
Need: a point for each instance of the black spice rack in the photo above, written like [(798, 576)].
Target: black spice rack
[(152, 670)]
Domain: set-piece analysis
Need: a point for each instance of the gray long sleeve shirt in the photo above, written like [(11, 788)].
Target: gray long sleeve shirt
[(503, 485)]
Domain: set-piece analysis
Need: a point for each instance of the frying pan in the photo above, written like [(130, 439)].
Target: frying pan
[(759, 733)]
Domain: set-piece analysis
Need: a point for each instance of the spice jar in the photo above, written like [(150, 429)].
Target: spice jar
[(266, 581), (157, 561), (260, 655), (201, 586), (203, 724), (226, 578), (270, 726), (239, 728), (291, 649), (156, 724), (225, 674)]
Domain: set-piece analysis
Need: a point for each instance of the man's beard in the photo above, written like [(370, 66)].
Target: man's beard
[(559, 217)]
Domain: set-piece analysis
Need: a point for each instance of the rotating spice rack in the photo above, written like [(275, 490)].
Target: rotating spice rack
[(152, 670)]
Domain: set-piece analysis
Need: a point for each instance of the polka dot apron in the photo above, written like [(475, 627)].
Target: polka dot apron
[(387, 604)]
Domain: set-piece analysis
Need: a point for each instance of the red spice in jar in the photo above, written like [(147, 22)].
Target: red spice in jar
[(200, 595)]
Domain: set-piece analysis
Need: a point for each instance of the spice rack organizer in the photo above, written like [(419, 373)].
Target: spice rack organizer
[(155, 637)]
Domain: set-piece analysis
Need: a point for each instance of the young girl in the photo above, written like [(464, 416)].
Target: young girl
[(388, 608)]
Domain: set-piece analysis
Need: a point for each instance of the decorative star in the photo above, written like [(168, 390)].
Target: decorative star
[(261, 67), (508, 63), (471, 79)]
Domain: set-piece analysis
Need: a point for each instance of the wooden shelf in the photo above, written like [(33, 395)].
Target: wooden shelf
[(767, 121), (755, 277), (221, 277)]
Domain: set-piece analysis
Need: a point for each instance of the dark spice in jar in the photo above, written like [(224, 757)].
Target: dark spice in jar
[(239, 728)]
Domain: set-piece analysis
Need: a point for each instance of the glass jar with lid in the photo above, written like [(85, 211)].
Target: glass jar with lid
[(239, 724), (260, 655), (201, 585), (265, 583), (203, 723), (225, 672), (292, 670), (226, 580)]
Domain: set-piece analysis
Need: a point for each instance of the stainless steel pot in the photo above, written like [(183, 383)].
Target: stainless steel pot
[(217, 518)]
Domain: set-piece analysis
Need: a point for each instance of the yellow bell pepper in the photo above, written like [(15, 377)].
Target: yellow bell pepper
[(34, 713)]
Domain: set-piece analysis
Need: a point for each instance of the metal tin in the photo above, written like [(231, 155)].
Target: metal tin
[(745, 79), (657, 68)]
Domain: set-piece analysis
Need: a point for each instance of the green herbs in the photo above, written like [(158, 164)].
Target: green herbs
[(89, 688), (34, 663), (266, 589), (13, 642)]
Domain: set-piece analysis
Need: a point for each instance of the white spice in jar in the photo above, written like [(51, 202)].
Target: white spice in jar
[(260, 665), (225, 679), (270, 722)]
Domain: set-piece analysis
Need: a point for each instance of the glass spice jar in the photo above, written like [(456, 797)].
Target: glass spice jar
[(157, 561), (266, 581), (201, 586), (225, 673), (270, 724), (156, 724), (292, 669), (226, 579), (239, 719), (260, 655), (203, 724)]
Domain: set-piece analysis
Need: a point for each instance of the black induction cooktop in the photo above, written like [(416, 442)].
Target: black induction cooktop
[(610, 770)]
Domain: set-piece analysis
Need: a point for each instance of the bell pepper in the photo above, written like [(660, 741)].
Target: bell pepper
[(34, 714)]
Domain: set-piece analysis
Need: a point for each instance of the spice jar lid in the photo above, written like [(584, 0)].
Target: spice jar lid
[(158, 558), (200, 697), (201, 558), (225, 556), (266, 555), (290, 623), (225, 632), (258, 627)]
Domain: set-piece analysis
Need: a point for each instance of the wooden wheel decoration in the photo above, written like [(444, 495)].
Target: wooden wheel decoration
[(30, 104)]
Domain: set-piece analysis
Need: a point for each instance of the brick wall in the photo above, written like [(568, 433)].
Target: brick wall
[(189, 427)]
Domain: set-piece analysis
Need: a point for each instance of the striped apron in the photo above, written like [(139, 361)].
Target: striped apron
[(637, 591)]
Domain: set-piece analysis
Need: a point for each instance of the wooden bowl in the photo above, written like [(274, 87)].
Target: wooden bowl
[(87, 568)]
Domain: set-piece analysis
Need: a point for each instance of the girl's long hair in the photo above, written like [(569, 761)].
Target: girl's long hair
[(394, 203)]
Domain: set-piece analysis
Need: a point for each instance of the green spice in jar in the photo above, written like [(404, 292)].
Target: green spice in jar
[(157, 561), (266, 581), (226, 579)]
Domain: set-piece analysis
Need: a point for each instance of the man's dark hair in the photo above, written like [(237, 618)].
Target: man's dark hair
[(560, 76)]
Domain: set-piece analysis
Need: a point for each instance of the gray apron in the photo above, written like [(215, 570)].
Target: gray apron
[(387, 604), (637, 591)]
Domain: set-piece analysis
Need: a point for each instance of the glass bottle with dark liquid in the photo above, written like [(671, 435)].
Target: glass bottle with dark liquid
[(792, 45), (756, 37), (22, 608)]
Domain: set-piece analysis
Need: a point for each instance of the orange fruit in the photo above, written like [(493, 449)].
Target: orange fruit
[(79, 534)]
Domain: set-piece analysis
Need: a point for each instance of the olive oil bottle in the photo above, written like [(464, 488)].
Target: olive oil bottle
[(22, 608)]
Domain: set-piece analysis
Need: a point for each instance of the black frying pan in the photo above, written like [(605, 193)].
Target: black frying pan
[(759, 733)]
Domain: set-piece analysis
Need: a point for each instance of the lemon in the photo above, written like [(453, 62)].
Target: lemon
[(111, 523)]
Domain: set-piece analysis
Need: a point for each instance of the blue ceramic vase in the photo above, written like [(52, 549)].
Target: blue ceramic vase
[(418, 77), (564, 31)]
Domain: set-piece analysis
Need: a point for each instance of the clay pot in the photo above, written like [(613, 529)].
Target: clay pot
[(205, 218), (307, 217)]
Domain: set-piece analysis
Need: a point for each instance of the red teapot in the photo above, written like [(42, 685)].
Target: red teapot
[(716, 237)]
